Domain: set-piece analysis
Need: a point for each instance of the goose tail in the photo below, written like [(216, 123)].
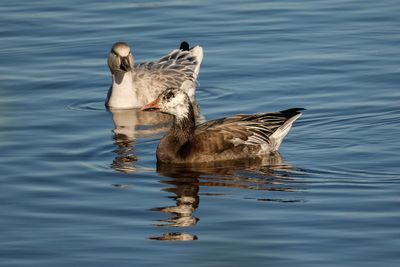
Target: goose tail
[(292, 115)]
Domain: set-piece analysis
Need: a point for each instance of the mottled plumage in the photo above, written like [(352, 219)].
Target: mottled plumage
[(134, 85), (231, 138)]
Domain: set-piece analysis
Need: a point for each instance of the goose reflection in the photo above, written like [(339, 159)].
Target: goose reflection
[(268, 173), (129, 124)]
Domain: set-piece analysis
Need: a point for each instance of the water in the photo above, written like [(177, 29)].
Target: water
[(77, 189)]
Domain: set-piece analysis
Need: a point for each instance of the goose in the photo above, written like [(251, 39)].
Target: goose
[(230, 138), (134, 85)]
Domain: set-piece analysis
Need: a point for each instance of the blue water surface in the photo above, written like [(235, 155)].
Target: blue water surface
[(80, 184)]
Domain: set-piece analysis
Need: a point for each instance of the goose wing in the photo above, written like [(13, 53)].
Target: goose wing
[(173, 69), (241, 132)]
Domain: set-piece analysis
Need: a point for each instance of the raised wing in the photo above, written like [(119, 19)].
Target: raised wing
[(173, 69)]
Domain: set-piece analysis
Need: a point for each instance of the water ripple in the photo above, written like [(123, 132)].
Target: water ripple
[(85, 105)]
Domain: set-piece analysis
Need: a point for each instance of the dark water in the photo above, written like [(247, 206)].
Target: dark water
[(80, 187)]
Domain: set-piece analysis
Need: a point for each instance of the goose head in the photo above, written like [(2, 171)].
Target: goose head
[(120, 59), (172, 101)]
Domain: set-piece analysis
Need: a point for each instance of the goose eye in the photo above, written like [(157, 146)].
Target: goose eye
[(168, 96)]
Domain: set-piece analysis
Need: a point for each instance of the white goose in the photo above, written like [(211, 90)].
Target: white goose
[(134, 85)]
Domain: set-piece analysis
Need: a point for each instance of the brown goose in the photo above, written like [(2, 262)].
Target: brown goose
[(231, 138)]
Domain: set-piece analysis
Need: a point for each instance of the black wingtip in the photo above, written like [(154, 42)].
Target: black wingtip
[(184, 46), (291, 112)]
